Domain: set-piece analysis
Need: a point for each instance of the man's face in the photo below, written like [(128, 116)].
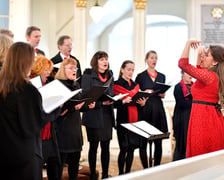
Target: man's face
[(34, 38), (66, 47)]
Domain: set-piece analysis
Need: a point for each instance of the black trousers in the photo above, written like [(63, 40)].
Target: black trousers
[(72, 159), (105, 157), (51, 159), (125, 159), (157, 153)]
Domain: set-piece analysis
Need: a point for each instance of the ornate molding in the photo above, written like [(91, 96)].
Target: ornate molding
[(81, 3), (217, 12), (140, 4)]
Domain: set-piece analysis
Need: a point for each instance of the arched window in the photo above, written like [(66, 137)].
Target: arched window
[(164, 33), (167, 35)]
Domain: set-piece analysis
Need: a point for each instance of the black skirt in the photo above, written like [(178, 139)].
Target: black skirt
[(127, 138), (99, 134)]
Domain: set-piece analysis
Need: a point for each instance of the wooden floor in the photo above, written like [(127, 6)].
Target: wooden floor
[(113, 169), (114, 150)]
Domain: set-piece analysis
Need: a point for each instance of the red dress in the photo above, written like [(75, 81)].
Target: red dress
[(206, 125)]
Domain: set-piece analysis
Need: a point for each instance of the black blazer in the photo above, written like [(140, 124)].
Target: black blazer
[(40, 52), (57, 59)]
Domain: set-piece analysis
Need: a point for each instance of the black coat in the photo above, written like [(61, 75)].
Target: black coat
[(57, 59), (153, 112), (95, 118), (21, 120), (181, 118), (69, 130)]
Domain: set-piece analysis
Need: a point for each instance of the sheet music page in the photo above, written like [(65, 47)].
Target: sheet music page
[(57, 65), (193, 56), (54, 94), (135, 130), (147, 127), (37, 82), (119, 96)]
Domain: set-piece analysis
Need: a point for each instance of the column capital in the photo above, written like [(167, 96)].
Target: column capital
[(81, 3), (140, 4)]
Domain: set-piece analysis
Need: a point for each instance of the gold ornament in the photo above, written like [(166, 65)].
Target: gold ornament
[(81, 3), (217, 12), (140, 4)]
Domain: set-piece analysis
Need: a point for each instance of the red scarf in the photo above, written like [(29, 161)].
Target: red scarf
[(185, 89), (46, 132), (101, 78), (132, 110)]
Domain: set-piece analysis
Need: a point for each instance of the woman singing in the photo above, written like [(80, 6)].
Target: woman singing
[(153, 112), (127, 113), (99, 121)]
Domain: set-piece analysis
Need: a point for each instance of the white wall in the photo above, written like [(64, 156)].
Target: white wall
[(55, 17), (172, 7)]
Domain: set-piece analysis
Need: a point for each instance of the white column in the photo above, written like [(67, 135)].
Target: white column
[(80, 35), (139, 17), (19, 18)]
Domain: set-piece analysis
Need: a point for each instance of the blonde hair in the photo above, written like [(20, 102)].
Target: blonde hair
[(7, 32), (41, 64), (5, 43), (61, 72)]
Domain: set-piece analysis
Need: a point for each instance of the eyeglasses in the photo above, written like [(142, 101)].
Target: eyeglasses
[(72, 69)]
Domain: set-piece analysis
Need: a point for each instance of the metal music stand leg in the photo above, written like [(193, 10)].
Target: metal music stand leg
[(150, 153)]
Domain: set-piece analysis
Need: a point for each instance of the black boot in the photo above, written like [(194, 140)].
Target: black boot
[(93, 177), (104, 176)]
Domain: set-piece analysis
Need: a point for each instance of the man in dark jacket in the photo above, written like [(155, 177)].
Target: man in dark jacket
[(33, 36), (65, 47)]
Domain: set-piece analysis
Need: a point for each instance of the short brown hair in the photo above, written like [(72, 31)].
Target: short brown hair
[(30, 29), (61, 39), (148, 53), (61, 72)]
